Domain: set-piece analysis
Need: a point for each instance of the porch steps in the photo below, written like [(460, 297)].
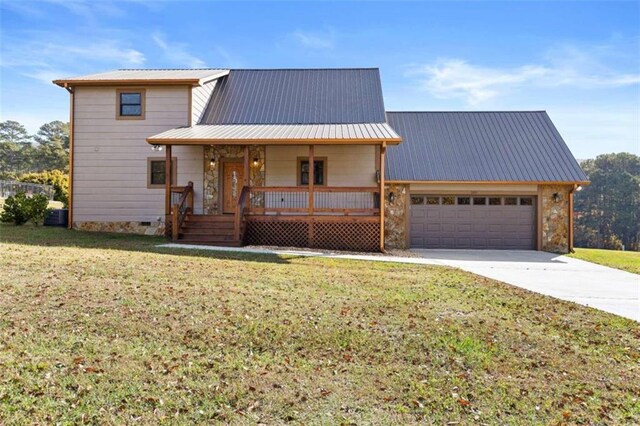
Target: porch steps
[(209, 230)]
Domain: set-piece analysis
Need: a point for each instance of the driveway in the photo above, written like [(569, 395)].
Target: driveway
[(565, 278)]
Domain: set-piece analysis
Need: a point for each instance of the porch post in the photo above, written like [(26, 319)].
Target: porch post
[(312, 169), (168, 173), (383, 150), (245, 178)]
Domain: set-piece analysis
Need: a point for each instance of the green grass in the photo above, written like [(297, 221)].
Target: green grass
[(626, 260), (109, 329)]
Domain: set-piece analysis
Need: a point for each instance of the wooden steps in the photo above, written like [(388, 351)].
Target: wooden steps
[(209, 230)]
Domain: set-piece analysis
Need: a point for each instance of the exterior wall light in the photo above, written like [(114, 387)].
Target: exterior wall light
[(255, 161), (212, 162), (555, 197), (392, 197), (156, 148)]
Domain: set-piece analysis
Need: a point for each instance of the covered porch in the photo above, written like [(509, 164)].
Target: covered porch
[(332, 201)]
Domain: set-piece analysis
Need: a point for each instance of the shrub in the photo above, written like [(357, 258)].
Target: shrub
[(56, 178), (19, 209)]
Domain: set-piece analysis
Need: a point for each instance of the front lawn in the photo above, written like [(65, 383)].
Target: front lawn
[(626, 260), (109, 329)]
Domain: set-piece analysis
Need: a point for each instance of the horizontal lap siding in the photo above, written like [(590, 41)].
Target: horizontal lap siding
[(348, 165), (110, 156)]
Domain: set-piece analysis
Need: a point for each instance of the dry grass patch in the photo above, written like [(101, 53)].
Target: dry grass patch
[(109, 329)]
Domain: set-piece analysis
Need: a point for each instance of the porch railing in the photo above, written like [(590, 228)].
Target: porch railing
[(182, 204), (323, 199)]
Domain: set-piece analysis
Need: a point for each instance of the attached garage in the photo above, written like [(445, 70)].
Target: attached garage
[(473, 222)]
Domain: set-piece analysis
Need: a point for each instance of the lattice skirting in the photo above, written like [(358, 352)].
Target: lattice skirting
[(357, 234)]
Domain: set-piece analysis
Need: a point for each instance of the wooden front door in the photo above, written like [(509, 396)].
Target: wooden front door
[(232, 178)]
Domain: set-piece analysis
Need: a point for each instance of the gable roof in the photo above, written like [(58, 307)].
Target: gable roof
[(146, 76), (479, 146), (297, 96)]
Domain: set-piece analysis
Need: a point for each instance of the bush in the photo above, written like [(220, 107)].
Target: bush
[(56, 178), (20, 209)]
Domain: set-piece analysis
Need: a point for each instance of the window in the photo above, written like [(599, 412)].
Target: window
[(526, 201), (130, 104), (156, 172), (479, 201), (433, 200), (495, 201), (448, 200), (319, 171), (417, 200), (464, 201), (510, 201)]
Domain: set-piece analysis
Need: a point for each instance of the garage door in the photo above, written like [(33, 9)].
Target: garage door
[(473, 222)]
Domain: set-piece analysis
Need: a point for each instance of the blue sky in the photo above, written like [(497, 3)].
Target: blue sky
[(580, 61)]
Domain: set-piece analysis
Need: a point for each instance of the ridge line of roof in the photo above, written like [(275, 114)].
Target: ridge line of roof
[(461, 112), (247, 69)]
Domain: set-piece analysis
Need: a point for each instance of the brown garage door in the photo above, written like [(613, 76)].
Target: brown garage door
[(473, 222)]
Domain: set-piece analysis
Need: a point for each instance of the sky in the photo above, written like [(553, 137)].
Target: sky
[(579, 61)]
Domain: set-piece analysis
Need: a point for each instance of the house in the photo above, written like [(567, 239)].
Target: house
[(310, 158)]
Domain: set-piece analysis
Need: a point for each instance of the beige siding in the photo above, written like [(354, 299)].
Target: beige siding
[(470, 188), (110, 156), (347, 165), (199, 100)]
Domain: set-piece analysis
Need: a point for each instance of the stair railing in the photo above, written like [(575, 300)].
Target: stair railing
[(238, 225), (181, 209)]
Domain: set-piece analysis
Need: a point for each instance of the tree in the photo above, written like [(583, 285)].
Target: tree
[(53, 149), (15, 148), (608, 210)]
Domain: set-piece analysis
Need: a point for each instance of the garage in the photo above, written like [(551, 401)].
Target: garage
[(473, 222)]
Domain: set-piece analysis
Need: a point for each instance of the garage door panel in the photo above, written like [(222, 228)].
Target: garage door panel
[(473, 226)]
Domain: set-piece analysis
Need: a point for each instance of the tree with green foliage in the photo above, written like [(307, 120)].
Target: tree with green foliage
[(53, 146), (15, 148), (57, 178), (608, 210)]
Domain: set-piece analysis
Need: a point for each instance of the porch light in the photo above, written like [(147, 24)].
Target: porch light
[(212, 162), (156, 148), (392, 197), (579, 188), (255, 161), (555, 197)]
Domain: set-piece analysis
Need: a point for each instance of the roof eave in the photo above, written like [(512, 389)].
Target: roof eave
[(497, 182), (319, 141), (130, 82)]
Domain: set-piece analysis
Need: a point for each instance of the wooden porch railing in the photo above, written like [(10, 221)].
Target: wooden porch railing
[(182, 204), (297, 200)]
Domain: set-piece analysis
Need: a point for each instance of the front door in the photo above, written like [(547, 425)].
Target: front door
[(232, 178)]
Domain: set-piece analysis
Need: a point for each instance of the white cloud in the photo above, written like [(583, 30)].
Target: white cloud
[(177, 52), (314, 40), (564, 67)]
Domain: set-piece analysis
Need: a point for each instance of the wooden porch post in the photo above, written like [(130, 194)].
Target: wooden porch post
[(245, 178), (168, 173), (383, 150), (312, 168)]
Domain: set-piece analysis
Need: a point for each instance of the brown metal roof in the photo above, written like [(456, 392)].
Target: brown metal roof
[(364, 133), (146, 76), (479, 147)]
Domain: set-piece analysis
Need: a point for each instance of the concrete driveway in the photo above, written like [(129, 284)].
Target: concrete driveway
[(565, 278)]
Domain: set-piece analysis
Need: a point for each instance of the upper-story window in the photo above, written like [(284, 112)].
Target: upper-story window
[(130, 104)]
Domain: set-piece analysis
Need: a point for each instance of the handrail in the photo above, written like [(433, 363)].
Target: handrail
[(315, 188), (240, 206), (180, 209)]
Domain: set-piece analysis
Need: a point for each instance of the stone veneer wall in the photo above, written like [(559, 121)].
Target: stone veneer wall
[(395, 230), (211, 185), (156, 228), (555, 218)]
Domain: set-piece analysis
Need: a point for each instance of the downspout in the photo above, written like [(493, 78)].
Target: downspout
[(570, 242), (72, 108)]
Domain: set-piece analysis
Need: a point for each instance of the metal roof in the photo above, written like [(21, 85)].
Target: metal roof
[(278, 133), (297, 96), (170, 76), (479, 146)]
